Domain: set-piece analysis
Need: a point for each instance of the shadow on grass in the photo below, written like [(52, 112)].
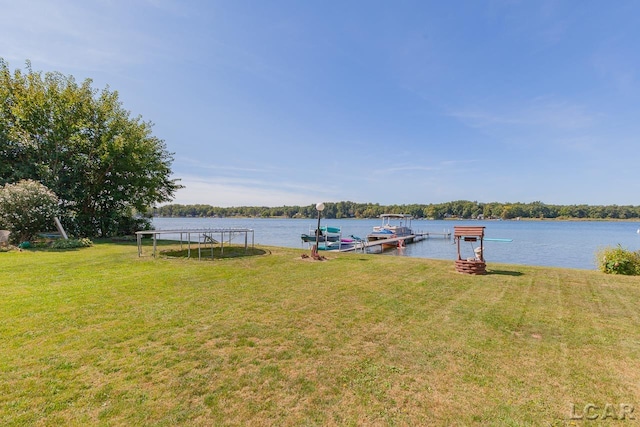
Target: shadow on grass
[(46, 249), (352, 259), (505, 272), (206, 253)]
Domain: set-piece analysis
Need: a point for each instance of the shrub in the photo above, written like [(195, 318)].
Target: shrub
[(26, 208), (71, 243), (619, 261), (127, 225)]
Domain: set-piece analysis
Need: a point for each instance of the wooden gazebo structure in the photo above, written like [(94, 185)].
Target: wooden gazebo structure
[(475, 265)]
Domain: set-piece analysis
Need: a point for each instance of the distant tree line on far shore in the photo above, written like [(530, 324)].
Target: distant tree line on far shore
[(462, 209)]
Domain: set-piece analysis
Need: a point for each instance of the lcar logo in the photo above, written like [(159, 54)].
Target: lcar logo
[(609, 411)]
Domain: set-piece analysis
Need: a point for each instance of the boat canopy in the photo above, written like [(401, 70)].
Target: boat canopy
[(404, 219)]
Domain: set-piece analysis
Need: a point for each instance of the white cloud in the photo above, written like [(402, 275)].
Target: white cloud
[(246, 192), (542, 112), (616, 67), (206, 165), (405, 168), (67, 35)]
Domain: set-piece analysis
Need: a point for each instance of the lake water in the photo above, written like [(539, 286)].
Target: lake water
[(570, 244)]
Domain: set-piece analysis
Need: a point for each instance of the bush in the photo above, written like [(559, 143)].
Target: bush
[(619, 261), (71, 243), (26, 208), (127, 225)]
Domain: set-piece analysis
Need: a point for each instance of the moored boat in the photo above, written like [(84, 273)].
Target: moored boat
[(393, 225), (311, 238), (327, 234)]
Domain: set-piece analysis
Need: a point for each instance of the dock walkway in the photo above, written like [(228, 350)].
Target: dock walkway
[(393, 241)]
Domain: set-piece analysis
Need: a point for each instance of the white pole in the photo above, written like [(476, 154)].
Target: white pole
[(59, 227)]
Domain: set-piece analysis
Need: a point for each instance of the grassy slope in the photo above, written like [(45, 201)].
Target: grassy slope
[(99, 335)]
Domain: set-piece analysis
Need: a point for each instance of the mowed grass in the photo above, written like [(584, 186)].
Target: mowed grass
[(101, 336)]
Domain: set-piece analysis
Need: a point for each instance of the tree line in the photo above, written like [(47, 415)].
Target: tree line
[(463, 209)]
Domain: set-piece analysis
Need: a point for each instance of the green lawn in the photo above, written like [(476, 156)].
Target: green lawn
[(101, 336)]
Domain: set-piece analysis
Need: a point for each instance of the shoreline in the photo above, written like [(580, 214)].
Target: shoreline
[(559, 219)]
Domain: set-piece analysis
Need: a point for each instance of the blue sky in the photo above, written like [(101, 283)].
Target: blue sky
[(294, 102)]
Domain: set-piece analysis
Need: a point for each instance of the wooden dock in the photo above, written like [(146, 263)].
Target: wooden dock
[(394, 241), (445, 234)]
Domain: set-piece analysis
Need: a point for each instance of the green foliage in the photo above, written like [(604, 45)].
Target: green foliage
[(619, 261), (455, 209), (129, 224), (26, 208), (84, 146), (71, 243)]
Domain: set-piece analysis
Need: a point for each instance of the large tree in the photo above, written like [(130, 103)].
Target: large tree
[(83, 145)]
